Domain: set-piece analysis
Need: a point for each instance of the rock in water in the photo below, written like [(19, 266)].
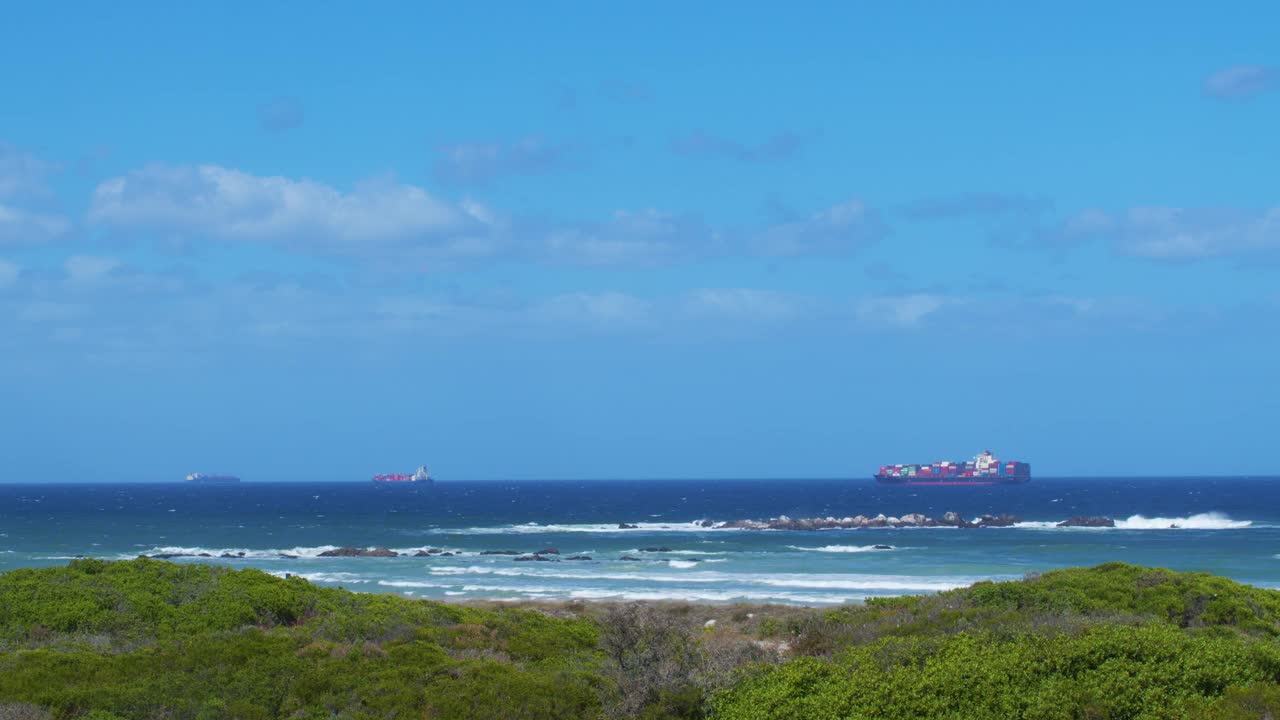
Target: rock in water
[(359, 552)]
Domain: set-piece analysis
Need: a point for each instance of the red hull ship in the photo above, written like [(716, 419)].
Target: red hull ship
[(419, 476), (984, 469)]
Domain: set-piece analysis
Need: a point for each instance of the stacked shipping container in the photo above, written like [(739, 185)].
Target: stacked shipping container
[(983, 469)]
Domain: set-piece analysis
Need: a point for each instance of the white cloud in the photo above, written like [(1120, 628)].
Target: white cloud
[(902, 311), (743, 303), (839, 229), (22, 173), (82, 269), (645, 237), (606, 311), (227, 204), (1172, 233), (18, 226), (481, 162), (406, 225), (1242, 81), (8, 274)]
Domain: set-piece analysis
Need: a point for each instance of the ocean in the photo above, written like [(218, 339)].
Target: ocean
[(1226, 526)]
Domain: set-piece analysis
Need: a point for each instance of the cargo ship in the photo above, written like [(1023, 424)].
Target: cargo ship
[(202, 478), (419, 476), (983, 469)]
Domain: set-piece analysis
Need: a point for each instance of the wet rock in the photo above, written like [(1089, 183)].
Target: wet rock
[(998, 520), (203, 555), (342, 552), (951, 518), (631, 559), (1092, 521), (359, 552), (287, 556), (628, 526), (498, 552), (706, 524), (422, 553), (548, 551), (881, 547), (579, 557), (228, 555), (446, 554)]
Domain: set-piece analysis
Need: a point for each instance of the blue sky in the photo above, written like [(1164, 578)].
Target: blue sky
[(306, 241)]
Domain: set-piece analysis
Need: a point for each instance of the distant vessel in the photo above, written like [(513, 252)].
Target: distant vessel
[(202, 478), (984, 469), (419, 476)]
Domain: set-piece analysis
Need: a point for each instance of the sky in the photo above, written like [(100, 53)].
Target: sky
[(310, 241)]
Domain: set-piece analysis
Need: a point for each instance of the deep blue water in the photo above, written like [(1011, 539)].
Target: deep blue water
[(1229, 526)]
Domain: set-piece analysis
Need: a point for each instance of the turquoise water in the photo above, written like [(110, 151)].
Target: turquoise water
[(1228, 526)]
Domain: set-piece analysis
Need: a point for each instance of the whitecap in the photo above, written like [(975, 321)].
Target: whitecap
[(838, 548), (682, 564), (1200, 521), (336, 577), (536, 528)]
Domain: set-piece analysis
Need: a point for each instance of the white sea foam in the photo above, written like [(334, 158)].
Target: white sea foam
[(271, 553), (536, 528), (682, 564), (1201, 521), (840, 581), (838, 548), (249, 553), (336, 577), (674, 552)]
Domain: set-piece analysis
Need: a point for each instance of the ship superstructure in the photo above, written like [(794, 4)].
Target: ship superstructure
[(983, 469), (203, 478), (418, 476)]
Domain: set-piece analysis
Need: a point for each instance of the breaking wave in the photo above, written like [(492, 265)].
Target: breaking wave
[(839, 548), (682, 564), (843, 581), (300, 553), (534, 528), (337, 577), (1201, 521)]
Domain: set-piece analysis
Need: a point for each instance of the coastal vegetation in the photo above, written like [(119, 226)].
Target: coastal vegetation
[(152, 640)]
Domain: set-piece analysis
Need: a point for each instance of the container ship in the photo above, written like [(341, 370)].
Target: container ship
[(984, 469), (419, 476), (202, 478)]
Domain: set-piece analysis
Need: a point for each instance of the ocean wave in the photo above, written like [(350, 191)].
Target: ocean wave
[(536, 528), (336, 577), (699, 553), (841, 581), (713, 596), (839, 548), (682, 564), (301, 553), (543, 592), (249, 553), (1200, 521)]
